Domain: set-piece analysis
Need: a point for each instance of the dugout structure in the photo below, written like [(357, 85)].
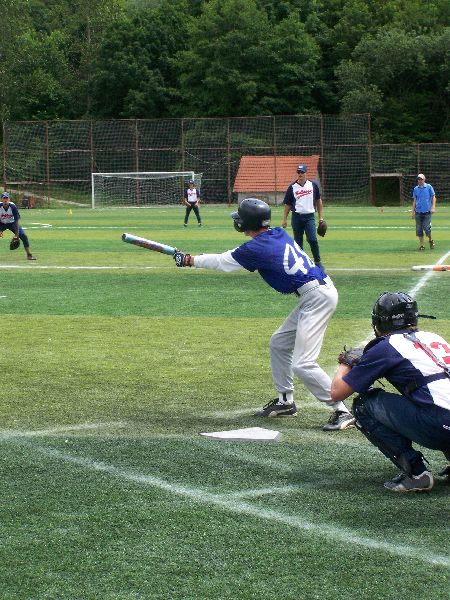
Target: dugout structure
[(53, 160), (140, 190)]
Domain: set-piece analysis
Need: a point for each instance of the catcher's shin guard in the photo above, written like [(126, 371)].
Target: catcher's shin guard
[(400, 461)]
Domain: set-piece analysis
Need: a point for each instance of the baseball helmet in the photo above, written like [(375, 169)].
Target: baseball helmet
[(392, 311), (251, 215)]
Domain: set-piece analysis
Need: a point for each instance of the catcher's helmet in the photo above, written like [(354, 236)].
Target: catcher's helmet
[(392, 311), (251, 215)]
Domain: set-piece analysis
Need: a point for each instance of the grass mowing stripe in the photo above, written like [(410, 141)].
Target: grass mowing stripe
[(338, 534)]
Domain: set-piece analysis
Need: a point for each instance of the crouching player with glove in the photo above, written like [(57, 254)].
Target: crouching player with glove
[(417, 364), (296, 344), (10, 219)]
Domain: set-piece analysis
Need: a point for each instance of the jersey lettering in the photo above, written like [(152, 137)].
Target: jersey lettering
[(445, 348), (294, 252)]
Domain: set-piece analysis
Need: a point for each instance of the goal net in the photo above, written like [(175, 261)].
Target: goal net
[(140, 189)]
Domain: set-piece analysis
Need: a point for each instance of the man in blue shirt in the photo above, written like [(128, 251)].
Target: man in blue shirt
[(424, 205), (296, 344), (417, 364)]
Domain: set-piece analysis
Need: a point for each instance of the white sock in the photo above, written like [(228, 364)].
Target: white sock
[(285, 397), (340, 406)]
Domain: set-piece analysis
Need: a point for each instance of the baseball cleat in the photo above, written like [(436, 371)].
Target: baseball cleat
[(431, 244), (340, 419), (276, 409), (445, 473), (31, 257), (414, 483)]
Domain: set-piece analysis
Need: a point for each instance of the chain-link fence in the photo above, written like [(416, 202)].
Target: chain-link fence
[(53, 161)]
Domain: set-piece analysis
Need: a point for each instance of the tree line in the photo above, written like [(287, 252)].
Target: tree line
[(110, 59)]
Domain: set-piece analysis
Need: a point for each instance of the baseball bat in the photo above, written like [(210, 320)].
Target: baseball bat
[(431, 268), (148, 244)]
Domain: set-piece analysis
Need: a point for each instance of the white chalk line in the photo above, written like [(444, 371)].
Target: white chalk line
[(329, 532), (81, 268), (8, 434)]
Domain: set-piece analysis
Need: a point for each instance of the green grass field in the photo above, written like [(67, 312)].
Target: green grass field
[(114, 362)]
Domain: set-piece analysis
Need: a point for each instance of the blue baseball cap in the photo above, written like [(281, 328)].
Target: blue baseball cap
[(302, 169), (5, 195), (191, 181)]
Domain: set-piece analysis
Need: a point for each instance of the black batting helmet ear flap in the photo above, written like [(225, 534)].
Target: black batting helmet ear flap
[(251, 215)]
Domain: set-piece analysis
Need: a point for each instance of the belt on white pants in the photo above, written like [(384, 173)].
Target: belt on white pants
[(311, 285)]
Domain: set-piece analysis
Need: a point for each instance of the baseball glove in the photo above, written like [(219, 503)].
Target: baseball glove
[(322, 228), (14, 244), (181, 259), (350, 357)]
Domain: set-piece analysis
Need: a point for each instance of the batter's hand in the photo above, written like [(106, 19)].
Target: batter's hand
[(181, 259)]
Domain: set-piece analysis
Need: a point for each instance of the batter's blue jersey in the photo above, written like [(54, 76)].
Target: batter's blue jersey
[(405, 365), (279, 260)]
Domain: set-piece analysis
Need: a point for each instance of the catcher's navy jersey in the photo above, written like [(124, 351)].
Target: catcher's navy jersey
[(279, 260), (403, 363)]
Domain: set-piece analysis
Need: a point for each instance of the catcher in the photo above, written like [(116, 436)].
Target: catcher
[(417, 364), (10, 219)]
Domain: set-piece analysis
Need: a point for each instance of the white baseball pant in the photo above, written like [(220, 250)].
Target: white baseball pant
[(296, 344)]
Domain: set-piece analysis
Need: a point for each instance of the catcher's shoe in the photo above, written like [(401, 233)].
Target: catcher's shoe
[(445, 473), (431, 244), (340, 419), (275, 408), (414, 483)]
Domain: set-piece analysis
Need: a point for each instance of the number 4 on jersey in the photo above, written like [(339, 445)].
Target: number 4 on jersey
[(296, 260)]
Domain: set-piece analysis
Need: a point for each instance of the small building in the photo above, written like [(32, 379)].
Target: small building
[(268, 177)]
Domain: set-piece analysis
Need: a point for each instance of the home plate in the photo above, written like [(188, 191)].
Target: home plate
[(258, 434)]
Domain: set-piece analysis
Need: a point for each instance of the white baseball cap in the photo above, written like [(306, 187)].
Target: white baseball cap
[(420, 176)]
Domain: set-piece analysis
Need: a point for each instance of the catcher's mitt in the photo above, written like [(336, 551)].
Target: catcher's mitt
[(350, 357), (14, 244), (322, 227)]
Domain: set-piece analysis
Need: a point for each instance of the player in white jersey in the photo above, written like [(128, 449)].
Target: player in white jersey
[(191, 200), (296, 344), (417, 364), (10, 219), (303, 199)]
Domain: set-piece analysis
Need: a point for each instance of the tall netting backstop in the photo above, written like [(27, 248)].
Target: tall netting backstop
[(54, 160)]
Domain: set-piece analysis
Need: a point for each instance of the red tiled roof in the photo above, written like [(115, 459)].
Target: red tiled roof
[(272, 173)]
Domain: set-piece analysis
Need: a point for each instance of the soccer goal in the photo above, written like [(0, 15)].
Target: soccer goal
[(140, 189)]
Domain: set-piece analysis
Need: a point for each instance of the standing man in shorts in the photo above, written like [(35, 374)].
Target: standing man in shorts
[(424, 205)]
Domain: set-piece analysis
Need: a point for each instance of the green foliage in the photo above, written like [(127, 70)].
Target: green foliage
[(134, 73), (394, 72), (153, 59)]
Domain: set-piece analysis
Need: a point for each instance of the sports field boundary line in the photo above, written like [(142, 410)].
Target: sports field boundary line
[(337, 534), (7, 434)]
